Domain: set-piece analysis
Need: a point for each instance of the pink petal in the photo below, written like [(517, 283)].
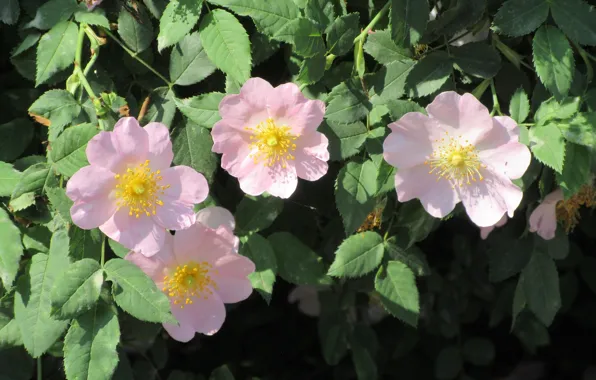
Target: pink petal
[(305, 117), (205, 315), (232, 284), (543, 219), (199, 243), (160, 146), (214, 217), (437, 197), (486, 201), (284, 97), (313, 144), (174, 215), (247, 108), (255, 91), (137, 234), (485, 231), (309, 167), (307, 297), (152, 267), (90, 182), (411, 141), (255, 179), (284, 181), (186, 185), (181, 333), (463, 114), (512, 160), (93, 213)]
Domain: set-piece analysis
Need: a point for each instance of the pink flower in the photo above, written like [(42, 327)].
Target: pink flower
[(485, 231), (307, 297), (199, 269), (458, 153), (543, 219), (130, 192), (268, 137)]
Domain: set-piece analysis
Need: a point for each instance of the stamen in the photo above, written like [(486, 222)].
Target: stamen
[(568, 211), (189, 281), (272, 143)]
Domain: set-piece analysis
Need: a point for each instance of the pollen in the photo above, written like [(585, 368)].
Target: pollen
[(139, 190), (272, 144), (456, 160), (568, 211), (372, 221), (188, 282)]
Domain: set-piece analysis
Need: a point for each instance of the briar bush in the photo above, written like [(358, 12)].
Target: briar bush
[(297, 189)]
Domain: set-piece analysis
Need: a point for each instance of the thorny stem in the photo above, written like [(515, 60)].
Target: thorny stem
[(496, 106), (372, 23), (136, 57)]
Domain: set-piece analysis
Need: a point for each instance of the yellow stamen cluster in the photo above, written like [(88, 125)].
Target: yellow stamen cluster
[(568, 211), (189, 281), (273, 143), (456, 161), (138, 190), (419, 50), (373, 220)]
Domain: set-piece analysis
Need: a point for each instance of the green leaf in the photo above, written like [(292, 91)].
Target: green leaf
[(305, 37), (311, 69), (333, 334), (28, 42), (341, 34), (136, 34), (79, 289), (397, 289), (68, 151), (551, 109), (262, 48), (85, 243), (519, 106), (519, 17), (322, 12), (52, 12), (449, 363), (548, 146), (23, 370), (576, 19), (10, 11), (429, 74), (362, 356), (93, 18), (119, 250), (36, 178), (59, 106), (90, 344), (162, 106), (479, 351), (192, 147), (189, 63), (358, 255), (389, 83), (355, 188), (15, 136), (136, 293), (345, 140), (413, 257), (55, 51), (254, 214), (382, 48), (297, 263), (408, 20), (477, 59), (347, 102), (202, 109), (508, 256), (221, 373), (226, 43), (62, 204), (32, 298), (576, 171), (10, 335), (177, 21), (541, 287), (11, 250), (581, 129), (553, 59), (258, 249), (270, 17), (9, 178)]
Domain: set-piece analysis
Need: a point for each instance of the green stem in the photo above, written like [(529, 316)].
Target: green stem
[(373, 22), (386, 236), (135, 56), (103, 251), (39, 369), (91, 62), (586, 57), (303, 86), (496, 106), (77, 63)]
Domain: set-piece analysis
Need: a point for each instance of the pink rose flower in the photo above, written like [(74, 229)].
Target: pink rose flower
[(268, 137), (130, 192), (458, 153), (485, 231), (199, 269), (543, 219)]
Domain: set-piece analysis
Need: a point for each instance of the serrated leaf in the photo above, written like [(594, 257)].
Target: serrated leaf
[(36, 178), (304, 35), (341, 34), (177, 21), (541, 287), (258, 249), (519, 106), (10, 334), (55, 52), (59, 106), (9, 178), (358, 255), (61, 203), (581, 129), (90, 344), (508, 256), (408, 20), (577, 19), (85, 243), (345, 140), (519, 17), (389, 83), (28, 42), (262, 47), (347, 102), (52, 12), (24, 201), (202, 109), (576, 171), (10, 11), (162, 106), (136, 34), (11, 250), (32, 298), (227, 44), (382, 48), (477, 59), (136, 293), (413, 257), (548, 146), (553, 59), (296, 262), (460, 15), (192, 147), (15, 136), (397, 289), (68, 151), (79, 289), (322, 12), (96, 17), (311, 69), (355, 189), (429, 74), (189, 63), (254, 214)]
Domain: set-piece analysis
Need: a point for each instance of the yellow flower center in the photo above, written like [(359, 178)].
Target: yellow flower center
[(273, 143), (568, 211), (456, 161), (139, 190), (189, 281)]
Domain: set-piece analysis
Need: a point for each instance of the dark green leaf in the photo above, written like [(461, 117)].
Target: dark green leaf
[(177, 21), (37, 178), (341, 34), (10, 11), (345, 140), (11, 250), (347, 102), (358, 255), (408, 20), (15, 136), (397, 289), (548, 146), (581, 129), (202, 109), (305, 37), (55, 51), (258, 249), (389, 83), (479, 351), (518, 17), (192, 147), (355, 189), (312, 69), (68, 151), (221, 373), (576, 171), (429, 74), (382, 48), (478, 59), (59, 106), (79, 289), (449, 363), (254, 214), (162, 106), (576, 19), (189, 63), (136, 31), (52, 12), (541, 287)]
